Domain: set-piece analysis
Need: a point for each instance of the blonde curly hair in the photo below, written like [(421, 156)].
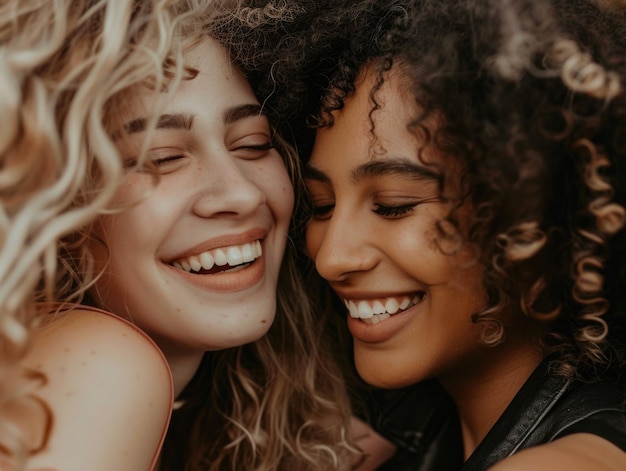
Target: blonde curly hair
[(66, 70)]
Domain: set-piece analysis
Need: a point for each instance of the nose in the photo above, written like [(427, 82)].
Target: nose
[(228, 188), (340, 247)]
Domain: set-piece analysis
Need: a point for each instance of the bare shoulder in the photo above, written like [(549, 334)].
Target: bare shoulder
[(82, 343), (108, 389), (576, 452)]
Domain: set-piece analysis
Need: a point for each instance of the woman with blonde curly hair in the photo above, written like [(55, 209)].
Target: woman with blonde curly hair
[(146, 203), (465, 167)]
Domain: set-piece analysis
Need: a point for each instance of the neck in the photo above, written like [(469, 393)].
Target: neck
[(183, 370), (183, 365), (483, 389)]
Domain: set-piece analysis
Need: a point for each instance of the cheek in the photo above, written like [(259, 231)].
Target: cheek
[(134, 190), (120, 235), (140, 227), (278, 189), (419, 249), (287, 198)]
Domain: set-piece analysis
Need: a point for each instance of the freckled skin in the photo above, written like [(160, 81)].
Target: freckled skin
[(213, 185)]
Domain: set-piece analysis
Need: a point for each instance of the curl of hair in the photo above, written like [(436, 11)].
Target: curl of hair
[(66, 69), (530, 96)]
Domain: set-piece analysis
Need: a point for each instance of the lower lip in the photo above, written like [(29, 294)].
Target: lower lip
[(227, 282), (383, 331)]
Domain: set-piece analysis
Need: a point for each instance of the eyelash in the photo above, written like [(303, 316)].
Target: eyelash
[(165, 160), (265, 147), (394, 211), (318, 211), (386, 211), (171, 158), (129, 163)]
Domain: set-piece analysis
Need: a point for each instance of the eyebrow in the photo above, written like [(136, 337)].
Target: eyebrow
[(239, 112), (185, 120), (376, 168), (166, 121)]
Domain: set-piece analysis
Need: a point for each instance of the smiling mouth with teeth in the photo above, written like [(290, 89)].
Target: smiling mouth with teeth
[(373, 312), (222, 260)]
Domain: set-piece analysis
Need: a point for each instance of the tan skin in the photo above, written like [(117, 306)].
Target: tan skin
[(373, 238)]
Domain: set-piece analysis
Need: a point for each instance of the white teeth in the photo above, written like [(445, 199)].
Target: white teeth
[(377, 311), (248, 253), (365, 311), (378, 307), (392, 306), (232, 256), (220, 258), (354, 312), (207, 261), (377, 319), (195, 264)]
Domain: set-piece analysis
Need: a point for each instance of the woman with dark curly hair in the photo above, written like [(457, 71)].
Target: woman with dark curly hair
[(465, 165)]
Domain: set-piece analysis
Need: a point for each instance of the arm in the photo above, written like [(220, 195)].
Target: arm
[(376, 448), (109, 390), (576, 452)]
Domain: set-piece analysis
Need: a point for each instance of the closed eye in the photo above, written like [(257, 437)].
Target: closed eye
[(394, 211), (162, 161), (157, 162), (253, 151), (322, 212), (400, 210), (262, 147)]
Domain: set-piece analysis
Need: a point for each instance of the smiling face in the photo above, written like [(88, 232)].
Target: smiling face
[(373, 237), (195, 263)]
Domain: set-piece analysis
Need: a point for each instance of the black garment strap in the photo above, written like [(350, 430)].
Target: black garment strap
[(523, 415), (549, 407)]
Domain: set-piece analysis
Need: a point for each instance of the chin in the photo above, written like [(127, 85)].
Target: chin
[(383, 382), (382, 374), (251, 330)]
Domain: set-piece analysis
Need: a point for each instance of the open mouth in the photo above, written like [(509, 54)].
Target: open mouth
[(225, 259), (375, 311)]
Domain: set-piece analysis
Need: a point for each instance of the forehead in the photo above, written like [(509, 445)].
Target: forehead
[(216, 83), (379, 103), (377, 120)]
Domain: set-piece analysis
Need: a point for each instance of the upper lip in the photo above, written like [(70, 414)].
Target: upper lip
[(221, 241)]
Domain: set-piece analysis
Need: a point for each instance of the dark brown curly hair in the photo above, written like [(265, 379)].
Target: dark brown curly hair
[(532, 99)]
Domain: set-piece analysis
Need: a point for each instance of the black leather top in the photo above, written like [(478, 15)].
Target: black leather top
[(549, 407), (422, 421)]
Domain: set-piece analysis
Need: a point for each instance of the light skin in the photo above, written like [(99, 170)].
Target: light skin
[(373, 238), (224, 193), (115, 384), (195, 263)]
